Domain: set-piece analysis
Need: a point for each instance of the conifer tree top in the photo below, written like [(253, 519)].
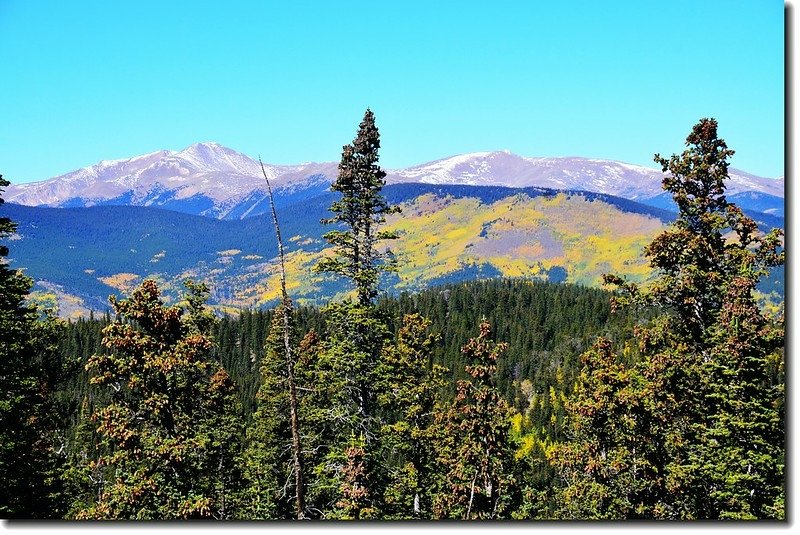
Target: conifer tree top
[(6, 226), (360, 210), (696, 178), (368, 139)]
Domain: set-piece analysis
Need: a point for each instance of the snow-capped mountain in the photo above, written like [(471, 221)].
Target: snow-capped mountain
[(203, 178), (212, 180), (503, 168)]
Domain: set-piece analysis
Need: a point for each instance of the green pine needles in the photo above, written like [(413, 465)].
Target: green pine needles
[(169, 432)]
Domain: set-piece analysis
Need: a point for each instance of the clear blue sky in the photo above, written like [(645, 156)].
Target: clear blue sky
[(84, 81)]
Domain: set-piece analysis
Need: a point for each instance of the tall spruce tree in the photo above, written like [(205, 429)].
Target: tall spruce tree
[(708, 399), (361, 210), (357, 331), (170, 431), (710, 262), (27, 460)]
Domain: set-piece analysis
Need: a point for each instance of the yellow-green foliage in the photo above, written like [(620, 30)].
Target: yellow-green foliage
[(55, 300), (531, 442), (124, 282), (262, 285), (43, 300), (772, 304), (519, 236)]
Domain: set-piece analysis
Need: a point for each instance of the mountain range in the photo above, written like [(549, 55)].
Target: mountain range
[(200, 213), (211, 180)]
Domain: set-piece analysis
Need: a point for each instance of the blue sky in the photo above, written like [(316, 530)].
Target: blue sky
[(85, 81)]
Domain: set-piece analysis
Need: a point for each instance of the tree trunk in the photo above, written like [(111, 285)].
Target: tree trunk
[(287, 346)]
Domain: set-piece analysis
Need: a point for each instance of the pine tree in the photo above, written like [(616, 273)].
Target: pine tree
[(709, 383), (169, 434), (267, 463), (608, 464), (357, 331), (27, 461), (476, 452), (361, 210), (711, 260), (704, 248), (408, 388)]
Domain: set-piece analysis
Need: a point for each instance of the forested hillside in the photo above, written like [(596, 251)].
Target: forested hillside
[(447, 233), (546, 324), (80, 256), (521, 397)]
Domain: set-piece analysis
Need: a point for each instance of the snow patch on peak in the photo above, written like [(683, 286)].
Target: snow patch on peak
[(471, 168), (211, 156)]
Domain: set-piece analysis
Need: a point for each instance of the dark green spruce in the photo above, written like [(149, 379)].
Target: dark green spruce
[(356, 330), (693, 430), (28, 424)]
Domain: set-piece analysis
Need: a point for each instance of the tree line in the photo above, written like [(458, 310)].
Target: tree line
[(486, 400)]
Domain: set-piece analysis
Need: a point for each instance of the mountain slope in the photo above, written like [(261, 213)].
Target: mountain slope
[(447, 233)]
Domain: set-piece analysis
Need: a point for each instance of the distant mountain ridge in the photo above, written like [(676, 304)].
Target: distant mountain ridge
[(212, 180), (503, 168), (202, 179)]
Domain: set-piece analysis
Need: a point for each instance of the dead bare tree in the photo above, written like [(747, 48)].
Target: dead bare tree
[(289, 359)]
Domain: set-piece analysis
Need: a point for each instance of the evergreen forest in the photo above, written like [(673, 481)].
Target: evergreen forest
[(496, 399)]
